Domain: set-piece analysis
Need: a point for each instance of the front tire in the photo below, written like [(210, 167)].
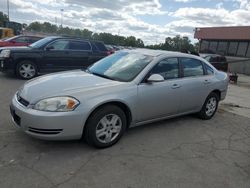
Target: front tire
[(105, 126), (209, 107), (26, 70)]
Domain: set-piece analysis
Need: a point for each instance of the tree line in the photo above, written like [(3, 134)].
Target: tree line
[(176, 43)]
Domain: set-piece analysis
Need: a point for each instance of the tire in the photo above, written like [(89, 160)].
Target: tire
[(101, 121), (26, 70), (209, 107)]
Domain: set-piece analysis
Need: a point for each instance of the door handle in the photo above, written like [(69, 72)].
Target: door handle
[(175, 86)]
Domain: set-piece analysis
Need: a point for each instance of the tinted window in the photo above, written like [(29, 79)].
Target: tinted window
[(79, 45), (232, 48), (21, 39), (213, 46), (168, 68), (242, 48), (33, 39), (204, 46), (210, 71), (222, 47), (248, 51), (191, 67), (59, 45), (100, 46)]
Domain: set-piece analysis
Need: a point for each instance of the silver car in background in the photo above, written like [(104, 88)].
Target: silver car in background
[(129, 88)]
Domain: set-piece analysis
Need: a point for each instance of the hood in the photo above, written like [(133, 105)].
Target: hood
[(62, 84)]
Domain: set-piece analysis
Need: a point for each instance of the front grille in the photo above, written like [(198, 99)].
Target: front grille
[(45, 131), (22, 100)]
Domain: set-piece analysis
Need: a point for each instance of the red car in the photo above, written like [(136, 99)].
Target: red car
[(19, 41)]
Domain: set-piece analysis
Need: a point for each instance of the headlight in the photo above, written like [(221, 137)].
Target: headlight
[(5, 53), (57, 104)]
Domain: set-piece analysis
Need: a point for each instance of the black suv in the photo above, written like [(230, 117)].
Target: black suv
[(51, 54)]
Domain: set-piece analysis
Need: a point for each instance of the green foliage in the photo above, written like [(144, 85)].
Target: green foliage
[(176, 43), (3, 18), (107, 38)]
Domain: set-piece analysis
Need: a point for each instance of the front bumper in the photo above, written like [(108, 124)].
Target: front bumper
[(7, 65), (47, 125)]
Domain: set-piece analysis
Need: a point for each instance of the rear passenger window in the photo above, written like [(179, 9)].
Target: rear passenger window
[(79, 45), (21, 39), (168, 68), (100, 46), (210, 71), (191, 67)]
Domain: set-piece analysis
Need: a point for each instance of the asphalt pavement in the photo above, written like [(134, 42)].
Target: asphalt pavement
[(181, 152)]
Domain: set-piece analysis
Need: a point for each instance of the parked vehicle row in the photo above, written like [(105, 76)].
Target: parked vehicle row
[(19, 41), (128, 88), (51, 54)]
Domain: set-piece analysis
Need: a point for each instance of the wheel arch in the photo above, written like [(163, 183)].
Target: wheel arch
[(217, 92), (33, 60), (125, 108)]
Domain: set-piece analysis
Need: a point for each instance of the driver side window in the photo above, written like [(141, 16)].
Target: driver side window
[(167, 68)]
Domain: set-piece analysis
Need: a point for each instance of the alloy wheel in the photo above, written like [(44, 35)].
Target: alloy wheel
[(211, 106), (108, 128), (27, 71)]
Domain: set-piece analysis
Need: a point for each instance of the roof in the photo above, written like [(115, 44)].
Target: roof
[(223, 33), (154, 52)]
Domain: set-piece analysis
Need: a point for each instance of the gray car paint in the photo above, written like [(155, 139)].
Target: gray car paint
[(146, 102)]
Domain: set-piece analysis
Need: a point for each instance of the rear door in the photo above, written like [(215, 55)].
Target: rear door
[(195, 84), (80, 51), (99, 51)]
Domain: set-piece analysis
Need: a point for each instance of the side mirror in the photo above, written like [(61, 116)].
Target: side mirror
[(48, 48), (13, 41), (155, 78)]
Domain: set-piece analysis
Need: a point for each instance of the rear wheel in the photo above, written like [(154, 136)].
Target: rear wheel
[(209, 107), (26, 70), (105, 126)]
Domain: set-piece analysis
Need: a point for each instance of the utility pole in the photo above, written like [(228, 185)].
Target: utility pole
[(62, 17), (8, 10)]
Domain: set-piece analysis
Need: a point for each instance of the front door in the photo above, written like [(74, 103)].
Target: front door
[(160, 99), (56, 57)]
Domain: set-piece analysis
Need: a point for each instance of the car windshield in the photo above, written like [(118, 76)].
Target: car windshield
[(40, 43), (121, 66)]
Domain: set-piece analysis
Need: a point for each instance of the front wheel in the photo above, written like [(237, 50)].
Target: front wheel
[(26, 70), (105, 126), (209, 107)]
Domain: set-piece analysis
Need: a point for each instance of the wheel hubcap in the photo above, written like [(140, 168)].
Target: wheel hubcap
[(27, 71), (108, 128), (211, 106)]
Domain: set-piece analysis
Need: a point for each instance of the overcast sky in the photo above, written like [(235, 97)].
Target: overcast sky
[(150, 20)]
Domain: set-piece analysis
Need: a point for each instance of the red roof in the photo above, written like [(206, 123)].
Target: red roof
[(223, 33)]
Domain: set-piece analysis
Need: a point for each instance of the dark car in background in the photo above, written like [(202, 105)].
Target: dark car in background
[(51, 54), (20, 40), (218, 61)]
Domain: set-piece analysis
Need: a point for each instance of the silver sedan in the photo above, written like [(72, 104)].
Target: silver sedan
[(129, 88)]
